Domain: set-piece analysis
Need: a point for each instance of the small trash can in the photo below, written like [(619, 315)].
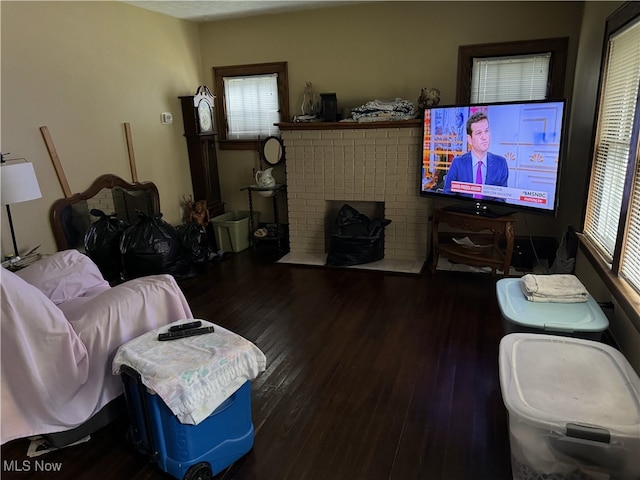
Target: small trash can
[(574, 408), (232, 230), (581, 319)]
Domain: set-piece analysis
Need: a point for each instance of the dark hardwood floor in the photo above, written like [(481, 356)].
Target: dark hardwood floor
[(369, 376)]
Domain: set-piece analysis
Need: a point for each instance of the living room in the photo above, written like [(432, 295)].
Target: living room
[(84, 68)]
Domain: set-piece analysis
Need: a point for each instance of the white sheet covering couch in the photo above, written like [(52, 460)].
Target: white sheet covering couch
[(61, 325)]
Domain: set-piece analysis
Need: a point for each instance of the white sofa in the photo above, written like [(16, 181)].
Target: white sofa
[(61, 325)]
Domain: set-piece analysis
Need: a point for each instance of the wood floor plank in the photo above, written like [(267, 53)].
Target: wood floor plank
[(369, 376)]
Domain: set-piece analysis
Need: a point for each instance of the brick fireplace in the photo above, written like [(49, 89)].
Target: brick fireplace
[(358, 163)]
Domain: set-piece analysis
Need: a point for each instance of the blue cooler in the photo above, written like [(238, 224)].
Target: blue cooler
[(581, 319), (187, 451), (189, 399)]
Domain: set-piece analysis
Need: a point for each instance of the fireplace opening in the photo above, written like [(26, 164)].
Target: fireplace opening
[(356, 239), (373, 210)]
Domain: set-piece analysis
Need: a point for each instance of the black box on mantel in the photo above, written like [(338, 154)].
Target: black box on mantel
[(329, 107)]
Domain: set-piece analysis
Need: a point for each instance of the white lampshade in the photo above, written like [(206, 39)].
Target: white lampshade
[(19, 182)]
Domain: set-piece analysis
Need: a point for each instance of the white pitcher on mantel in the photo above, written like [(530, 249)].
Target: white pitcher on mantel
[(264, 179)]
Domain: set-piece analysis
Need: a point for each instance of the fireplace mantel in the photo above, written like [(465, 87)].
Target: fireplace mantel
[(348, 125)]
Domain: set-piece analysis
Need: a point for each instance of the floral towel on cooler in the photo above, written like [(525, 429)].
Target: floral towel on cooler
[(192, 375)]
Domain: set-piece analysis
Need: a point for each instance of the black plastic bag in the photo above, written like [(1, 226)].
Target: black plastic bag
[(150, 247), (195, 242), (565, 261), (102, 244), (347, 251), (350, 222), (356, 239)]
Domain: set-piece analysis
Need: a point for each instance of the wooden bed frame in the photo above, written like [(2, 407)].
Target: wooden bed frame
[(70, 218)]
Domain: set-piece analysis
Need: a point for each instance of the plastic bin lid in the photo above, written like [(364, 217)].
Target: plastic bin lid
[(562, 317), (552, 381)]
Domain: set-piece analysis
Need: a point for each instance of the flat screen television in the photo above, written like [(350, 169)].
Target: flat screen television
[(520, 145)]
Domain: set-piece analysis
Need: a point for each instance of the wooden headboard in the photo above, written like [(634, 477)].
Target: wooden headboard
[(70, 217)]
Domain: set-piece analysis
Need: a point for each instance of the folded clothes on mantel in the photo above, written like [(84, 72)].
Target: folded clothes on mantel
[(558, 288), (379, 110)]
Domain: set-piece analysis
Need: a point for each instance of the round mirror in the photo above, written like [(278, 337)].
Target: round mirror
[(273, 151)]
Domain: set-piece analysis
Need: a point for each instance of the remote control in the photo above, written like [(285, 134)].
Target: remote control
[(185, 326), (184, 333)]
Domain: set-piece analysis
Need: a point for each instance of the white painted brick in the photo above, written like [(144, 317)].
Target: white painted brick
[(332, 134), (355, 134), (357, 165)]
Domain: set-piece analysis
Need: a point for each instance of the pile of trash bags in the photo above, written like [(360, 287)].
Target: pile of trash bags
[(150, 246)]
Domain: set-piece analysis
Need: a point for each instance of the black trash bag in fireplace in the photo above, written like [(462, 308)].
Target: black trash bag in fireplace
[(356, 239), (102, 243), (151, 246)]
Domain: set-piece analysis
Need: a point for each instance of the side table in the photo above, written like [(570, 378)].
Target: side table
[(278, 234), (493, 255), (25, 261)]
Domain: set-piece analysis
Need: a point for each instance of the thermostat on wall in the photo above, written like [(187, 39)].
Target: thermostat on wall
[(166, 118)]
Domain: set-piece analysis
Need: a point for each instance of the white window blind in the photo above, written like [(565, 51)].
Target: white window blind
[(628, 44), (630, 269), (503, 79), (613, 150), (251, 106)]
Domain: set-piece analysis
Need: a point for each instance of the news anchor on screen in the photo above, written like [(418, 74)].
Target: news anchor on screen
[(478, 166)]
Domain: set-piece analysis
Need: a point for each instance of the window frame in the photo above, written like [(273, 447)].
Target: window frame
[(558, 65), (626, 296), (280, 68)]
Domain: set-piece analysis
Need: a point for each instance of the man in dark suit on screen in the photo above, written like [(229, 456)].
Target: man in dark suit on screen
[(478, 166)]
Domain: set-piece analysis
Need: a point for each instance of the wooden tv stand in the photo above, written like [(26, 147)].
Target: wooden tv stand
[(491, 254)]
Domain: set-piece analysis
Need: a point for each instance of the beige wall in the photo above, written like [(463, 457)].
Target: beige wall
[(377, 50), (83, 69)]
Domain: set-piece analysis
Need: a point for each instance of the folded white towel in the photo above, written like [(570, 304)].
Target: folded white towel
[(560, 288)]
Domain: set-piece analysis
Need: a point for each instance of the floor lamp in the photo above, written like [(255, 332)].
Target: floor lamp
[(19, 184)]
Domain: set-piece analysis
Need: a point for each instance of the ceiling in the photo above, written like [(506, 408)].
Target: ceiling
[(210, 10)]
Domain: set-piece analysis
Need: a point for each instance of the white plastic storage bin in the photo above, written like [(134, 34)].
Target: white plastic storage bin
[(574, 408), (581, 319)]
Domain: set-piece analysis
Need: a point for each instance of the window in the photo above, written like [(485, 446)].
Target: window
[(612, 217), (527, 70), (250, 99), (251, 106), (522, 77)]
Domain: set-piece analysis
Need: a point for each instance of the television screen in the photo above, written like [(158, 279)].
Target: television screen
[(500, 153)]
